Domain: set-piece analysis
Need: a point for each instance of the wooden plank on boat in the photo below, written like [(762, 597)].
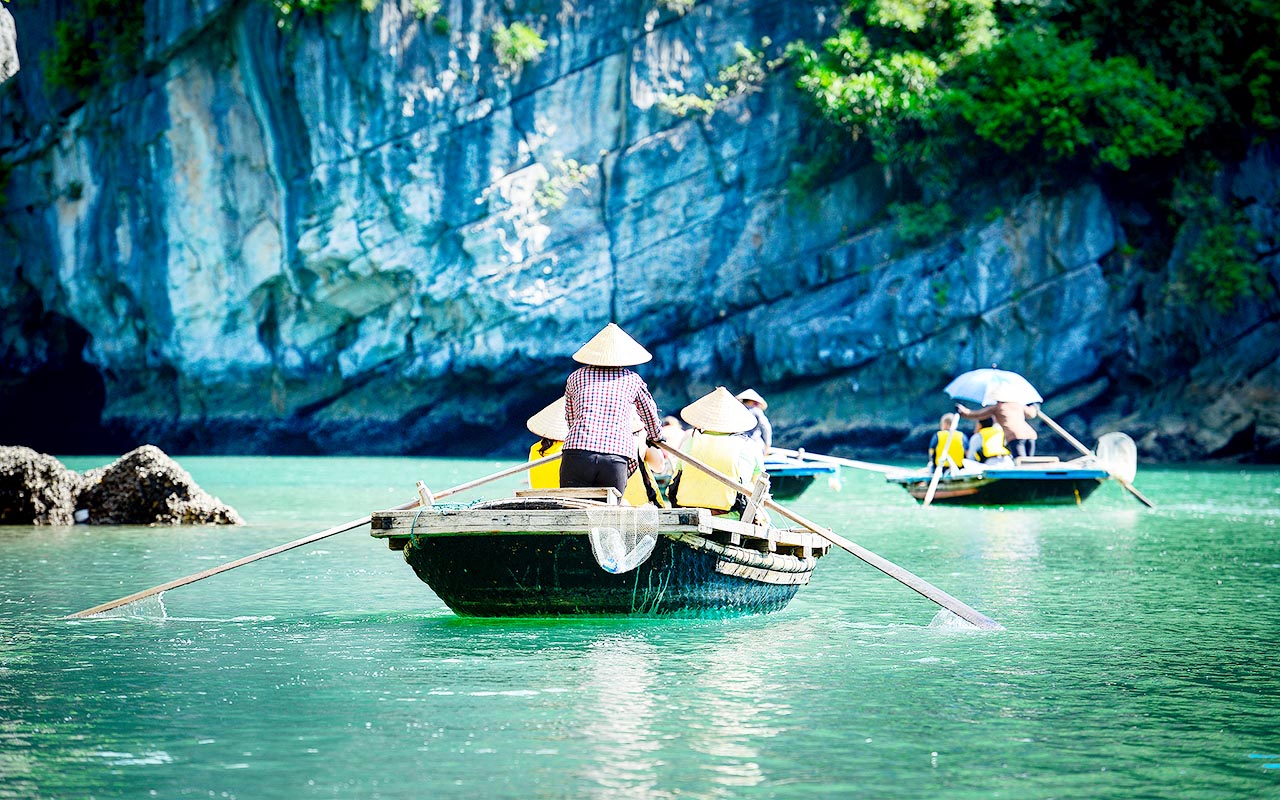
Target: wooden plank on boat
[(446, 521), (763, 575), (604, 494)]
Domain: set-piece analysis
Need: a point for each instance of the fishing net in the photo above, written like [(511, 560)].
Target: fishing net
[(1119, 455), (622, 538)]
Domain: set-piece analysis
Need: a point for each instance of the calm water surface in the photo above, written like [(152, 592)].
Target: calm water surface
[(1140, 658)]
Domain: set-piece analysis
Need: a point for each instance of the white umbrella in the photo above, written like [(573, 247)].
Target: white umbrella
[(983, 387)]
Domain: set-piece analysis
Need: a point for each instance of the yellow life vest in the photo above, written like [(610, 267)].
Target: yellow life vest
[(636, 494), (545, 476), (950, 443), (735, 456), (993, 442)]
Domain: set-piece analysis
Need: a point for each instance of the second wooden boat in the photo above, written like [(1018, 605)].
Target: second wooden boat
[(790, 477), (1042, 482)]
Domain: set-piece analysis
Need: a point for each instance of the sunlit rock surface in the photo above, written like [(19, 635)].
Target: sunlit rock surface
[(142, 487), (357, 232)]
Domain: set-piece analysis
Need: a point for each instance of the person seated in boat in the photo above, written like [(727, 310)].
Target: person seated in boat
[(762, 433), (642, 486), (599, 449), (718, 440), (1012, 418), (946, 448), (673, 431), (550, 426), (986, 446)]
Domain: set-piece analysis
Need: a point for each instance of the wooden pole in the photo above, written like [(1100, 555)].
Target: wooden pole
[(894, 571), (937, 468), (315, 537), (844, 462), (1074, 442)]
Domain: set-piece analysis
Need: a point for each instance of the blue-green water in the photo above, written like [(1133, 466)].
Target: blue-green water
[(1140, 658)]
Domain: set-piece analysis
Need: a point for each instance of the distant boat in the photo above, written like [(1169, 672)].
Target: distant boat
[(790, 477), (1042, 481), (532, 555)]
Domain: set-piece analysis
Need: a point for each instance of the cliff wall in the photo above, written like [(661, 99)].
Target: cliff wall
[(360, 232)]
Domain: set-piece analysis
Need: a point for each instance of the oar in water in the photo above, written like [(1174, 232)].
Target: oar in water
[(889, 568), (844, 462), (1086, 451), (315, 537)]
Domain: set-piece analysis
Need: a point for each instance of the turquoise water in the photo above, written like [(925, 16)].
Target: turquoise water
[(1140, 658)]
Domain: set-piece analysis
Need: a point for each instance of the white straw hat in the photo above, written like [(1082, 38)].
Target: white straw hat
[(549, 423), (752, 394), (612, 347), (719, 412)]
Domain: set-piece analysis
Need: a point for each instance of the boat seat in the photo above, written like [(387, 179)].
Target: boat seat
[(600, 494), (1029, 460)]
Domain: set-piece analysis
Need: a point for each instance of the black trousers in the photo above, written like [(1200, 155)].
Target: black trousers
[(583, 468), (1022, 447)]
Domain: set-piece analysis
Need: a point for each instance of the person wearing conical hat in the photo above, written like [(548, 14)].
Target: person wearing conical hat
[(720, 423), (549, 425), (762, 433), (599, 449)]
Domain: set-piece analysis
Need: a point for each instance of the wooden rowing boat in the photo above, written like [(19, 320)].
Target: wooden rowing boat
[(790, 477), (530, 555), (1033, 482)]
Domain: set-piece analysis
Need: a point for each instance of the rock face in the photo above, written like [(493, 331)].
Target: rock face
[(146, 487), (35, 489), (143, 487), (359, 232)]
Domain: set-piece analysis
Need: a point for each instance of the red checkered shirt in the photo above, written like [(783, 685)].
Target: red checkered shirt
[(598, 403)]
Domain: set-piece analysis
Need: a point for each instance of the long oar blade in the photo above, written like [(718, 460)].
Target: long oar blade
[(918, 584), (844, 462), (1074, 442), (315, 537)]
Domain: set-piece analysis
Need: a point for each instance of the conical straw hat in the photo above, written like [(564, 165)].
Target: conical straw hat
[(549, 423), (612, 347), (752, 394), (720, 412)]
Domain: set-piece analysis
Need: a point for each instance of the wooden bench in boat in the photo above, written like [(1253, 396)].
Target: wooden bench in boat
[(524, 515)]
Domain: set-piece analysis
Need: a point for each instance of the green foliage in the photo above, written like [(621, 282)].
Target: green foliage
[(1225, 52), (96, 43), (516, 45), (1047, 102), (425, 9), (566, 175), (920, 223), (744, 75), (1220, 267), (287, 8)]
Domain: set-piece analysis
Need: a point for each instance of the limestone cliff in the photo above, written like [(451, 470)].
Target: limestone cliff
[(361, 232)]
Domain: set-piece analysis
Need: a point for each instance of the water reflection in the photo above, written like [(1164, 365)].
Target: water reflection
[(619, 679)]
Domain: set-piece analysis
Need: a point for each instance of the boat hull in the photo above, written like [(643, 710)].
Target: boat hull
[(541, 575), (789, 478), (1009, 488), (532, 557)]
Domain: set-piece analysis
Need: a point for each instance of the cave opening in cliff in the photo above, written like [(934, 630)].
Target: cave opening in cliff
[(56, 407)]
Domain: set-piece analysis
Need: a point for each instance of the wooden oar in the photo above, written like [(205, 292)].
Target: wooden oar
[(889, 568), (315, 537), (1086, 451), (844, 462), (937, 468)]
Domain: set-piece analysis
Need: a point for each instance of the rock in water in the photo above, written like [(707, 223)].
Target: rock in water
[(35, 489), (146, 487)]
